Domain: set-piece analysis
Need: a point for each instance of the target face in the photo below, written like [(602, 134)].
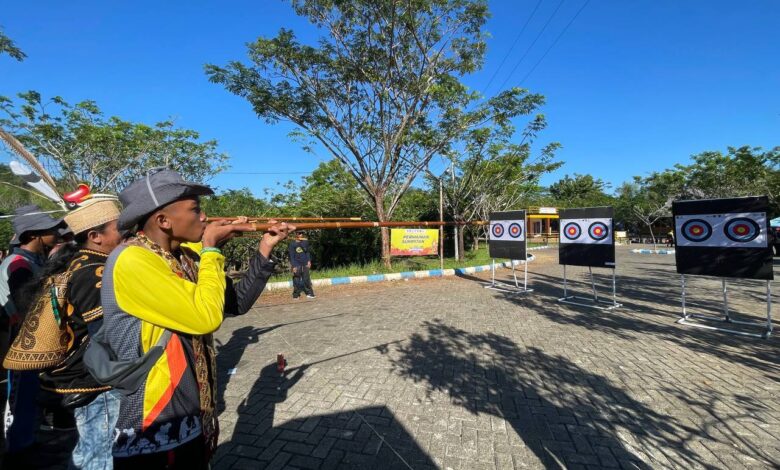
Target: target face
[(589, 231), (696, 230), (741, 230), (507, 230), (507, 235), (729, 230), (598, 231), (515, 231), (572, 231)]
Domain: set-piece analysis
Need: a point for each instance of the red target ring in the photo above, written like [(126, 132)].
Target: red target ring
[(497, 230), (696, 230), (515, 230), (572, 231), (741, 230)]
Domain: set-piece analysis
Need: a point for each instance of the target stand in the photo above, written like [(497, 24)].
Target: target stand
[(505, 286), (595, 302), (690, 319)]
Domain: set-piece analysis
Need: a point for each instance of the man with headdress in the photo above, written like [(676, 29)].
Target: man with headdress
[(156, 286), (93, 224), (35, 233)]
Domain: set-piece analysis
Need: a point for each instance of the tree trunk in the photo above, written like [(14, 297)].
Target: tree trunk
[(461, 243), (379, 204), (650, 226), (385, 246)]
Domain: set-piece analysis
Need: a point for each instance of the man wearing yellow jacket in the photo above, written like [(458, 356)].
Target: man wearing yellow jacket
[(153, 283)]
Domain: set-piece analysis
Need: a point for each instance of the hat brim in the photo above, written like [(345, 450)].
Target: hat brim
[(57, 227), (131, 215)]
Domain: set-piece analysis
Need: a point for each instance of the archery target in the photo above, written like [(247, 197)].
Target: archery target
[(734, 230), (696, 230), (741, 230), (572, 231), (507, 235), (507, 230), (587, 231), (515, 230), (598, 231)]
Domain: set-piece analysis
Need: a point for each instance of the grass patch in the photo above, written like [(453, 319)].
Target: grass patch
[(412, 263)]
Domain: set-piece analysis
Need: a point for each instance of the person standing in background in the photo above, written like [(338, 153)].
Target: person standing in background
[(300, 259)]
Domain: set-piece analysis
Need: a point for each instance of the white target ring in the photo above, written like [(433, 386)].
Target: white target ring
[(498, 230)]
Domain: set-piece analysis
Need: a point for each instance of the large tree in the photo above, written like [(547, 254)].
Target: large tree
[(78, 143), (380, 91)]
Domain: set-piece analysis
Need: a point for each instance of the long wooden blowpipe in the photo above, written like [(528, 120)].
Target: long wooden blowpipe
[(257, 227), (287, 219)]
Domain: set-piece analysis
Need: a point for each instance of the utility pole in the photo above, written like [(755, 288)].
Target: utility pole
[(457, 239), (441, 227)]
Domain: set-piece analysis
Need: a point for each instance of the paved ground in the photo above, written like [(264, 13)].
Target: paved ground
[(446, 374), (441, 373)]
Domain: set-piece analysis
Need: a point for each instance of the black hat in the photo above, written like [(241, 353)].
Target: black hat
[(160, 187), (31, 218)]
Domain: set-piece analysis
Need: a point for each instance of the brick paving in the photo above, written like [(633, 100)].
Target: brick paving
[(445, 374), (442, 373)]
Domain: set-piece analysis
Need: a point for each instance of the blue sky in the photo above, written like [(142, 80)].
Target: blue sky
[(632, 86)]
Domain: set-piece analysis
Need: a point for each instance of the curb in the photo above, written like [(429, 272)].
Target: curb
[(335, 281), (645, 251)]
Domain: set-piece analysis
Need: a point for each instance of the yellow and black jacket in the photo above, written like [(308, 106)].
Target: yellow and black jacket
[(147, 291)]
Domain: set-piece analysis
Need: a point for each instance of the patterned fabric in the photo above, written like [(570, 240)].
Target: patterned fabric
[(203, 346), (84, 311)]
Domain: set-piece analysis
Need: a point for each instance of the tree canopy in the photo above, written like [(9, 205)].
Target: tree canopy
[(78, 143), (380, 91)]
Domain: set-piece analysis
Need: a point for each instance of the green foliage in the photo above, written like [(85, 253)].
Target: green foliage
[(741, 171), (78, 143), (7, 46), (330, 191), (580, 191)]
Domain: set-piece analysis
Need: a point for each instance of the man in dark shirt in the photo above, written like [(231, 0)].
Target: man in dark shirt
[(35, 235), (300, 259)]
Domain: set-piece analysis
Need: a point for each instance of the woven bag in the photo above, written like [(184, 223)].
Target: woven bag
[(45, 337)]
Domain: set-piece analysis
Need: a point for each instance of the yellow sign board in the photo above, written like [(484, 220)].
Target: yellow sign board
[(413, 242)]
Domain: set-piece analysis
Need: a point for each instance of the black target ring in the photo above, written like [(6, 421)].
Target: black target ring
[(598, 231), (572, 231), (696, 230), (497, 230), (515, 230), (741, 230)]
